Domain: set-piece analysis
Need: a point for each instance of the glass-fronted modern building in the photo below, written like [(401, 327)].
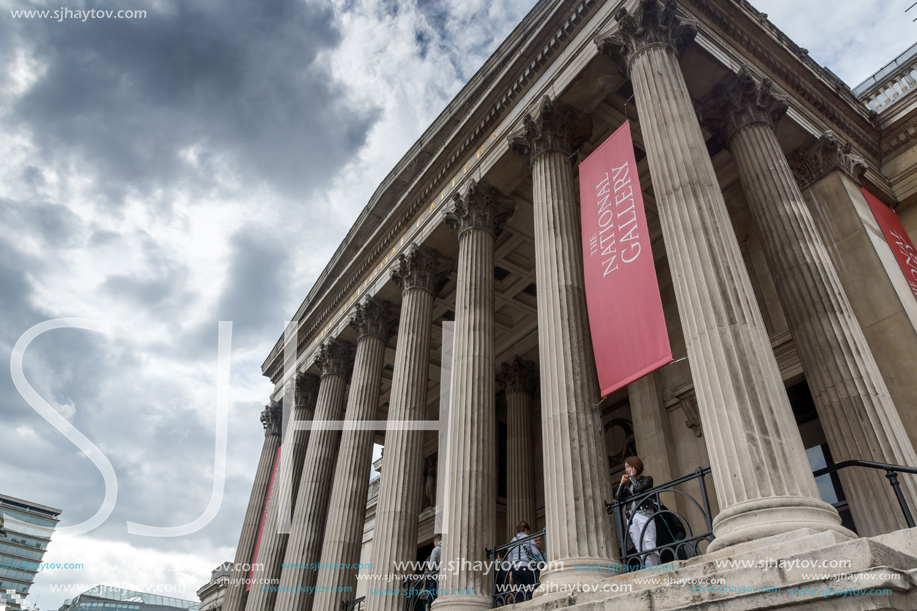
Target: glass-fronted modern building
[(108, 598), (26, 532)]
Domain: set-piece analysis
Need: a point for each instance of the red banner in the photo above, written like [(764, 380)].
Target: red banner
[(897, 237), (629, 335), (267, 505)]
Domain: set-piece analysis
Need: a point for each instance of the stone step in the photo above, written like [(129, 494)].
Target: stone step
[(787, 574)]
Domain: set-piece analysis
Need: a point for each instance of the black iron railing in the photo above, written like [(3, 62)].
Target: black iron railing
[(504, 591), (354, 605), (419, 592), (675, 540), (891, 472)]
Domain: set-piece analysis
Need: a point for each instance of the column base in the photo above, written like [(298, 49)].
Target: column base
[(566, 574), (461, 602), (763, 518)]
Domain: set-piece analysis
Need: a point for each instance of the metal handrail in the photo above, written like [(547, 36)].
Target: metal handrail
[(688, 546), (502, 591), (891, 472), (357, 604), (418, 595)]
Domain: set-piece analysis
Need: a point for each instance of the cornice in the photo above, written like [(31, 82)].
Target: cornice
[(477, 109), (899, 134)]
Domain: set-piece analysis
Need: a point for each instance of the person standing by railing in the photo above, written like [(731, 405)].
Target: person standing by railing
[(540, 559), (433, 570), (522, 557), (633, 482)]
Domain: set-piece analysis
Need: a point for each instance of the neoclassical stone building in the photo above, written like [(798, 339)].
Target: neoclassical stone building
[(458, 298)]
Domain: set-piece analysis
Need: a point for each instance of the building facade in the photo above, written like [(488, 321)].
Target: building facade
[(26, 532), (450, 327), (108, 598), (213, 592)]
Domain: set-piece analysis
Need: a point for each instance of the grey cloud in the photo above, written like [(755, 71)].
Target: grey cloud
[(50, 223), (256, 294), (157, 285), (233, 81)]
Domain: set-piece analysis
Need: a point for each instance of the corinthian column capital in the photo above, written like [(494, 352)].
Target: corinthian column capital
[(558, 127), (742, 101), (335, 357), (654, 23), (375, 317), (519, 376), (421, 268), (306, 390), (480, 207), (271, 417), (828, 153)]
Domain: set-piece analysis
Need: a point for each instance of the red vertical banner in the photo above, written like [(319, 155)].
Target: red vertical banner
[(267, 505), (897, 237), (629, 336)]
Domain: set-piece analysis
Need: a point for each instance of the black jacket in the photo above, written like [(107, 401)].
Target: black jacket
[(633, 487)]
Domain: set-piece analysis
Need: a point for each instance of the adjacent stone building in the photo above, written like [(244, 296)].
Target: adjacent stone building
[(457, 298), (212, 593)]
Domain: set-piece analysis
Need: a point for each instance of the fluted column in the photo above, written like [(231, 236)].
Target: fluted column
[(854, 407), (273, 544), (418, 274), (579, 532), (297, 579), (374, 323), (519, 379), (477, 216), (236, 590), (828, 172), (764, 484)]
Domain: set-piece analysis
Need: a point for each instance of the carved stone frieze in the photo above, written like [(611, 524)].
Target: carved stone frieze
[(655, 22), (479, 207), (558, 127), (828, 153), (421, 268), (375, 317), (335, 357), (742, 101), (692, 415), (429, 479), (519, 375)]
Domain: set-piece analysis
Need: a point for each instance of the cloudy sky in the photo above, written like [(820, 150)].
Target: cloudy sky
[(199, 165)]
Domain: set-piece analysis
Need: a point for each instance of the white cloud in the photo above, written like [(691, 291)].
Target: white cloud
[(853, 39)]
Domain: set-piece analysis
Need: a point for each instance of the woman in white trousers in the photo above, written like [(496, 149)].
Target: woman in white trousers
[(633, 483)]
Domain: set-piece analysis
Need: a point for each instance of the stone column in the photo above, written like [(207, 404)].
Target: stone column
[(653, 431), (858, 416), (419, 274), (519, 379), (828, 172), (764, 484), (235, 592), (261, 596), (579, 532), (297, 581), (374, 323), (477, 216)]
